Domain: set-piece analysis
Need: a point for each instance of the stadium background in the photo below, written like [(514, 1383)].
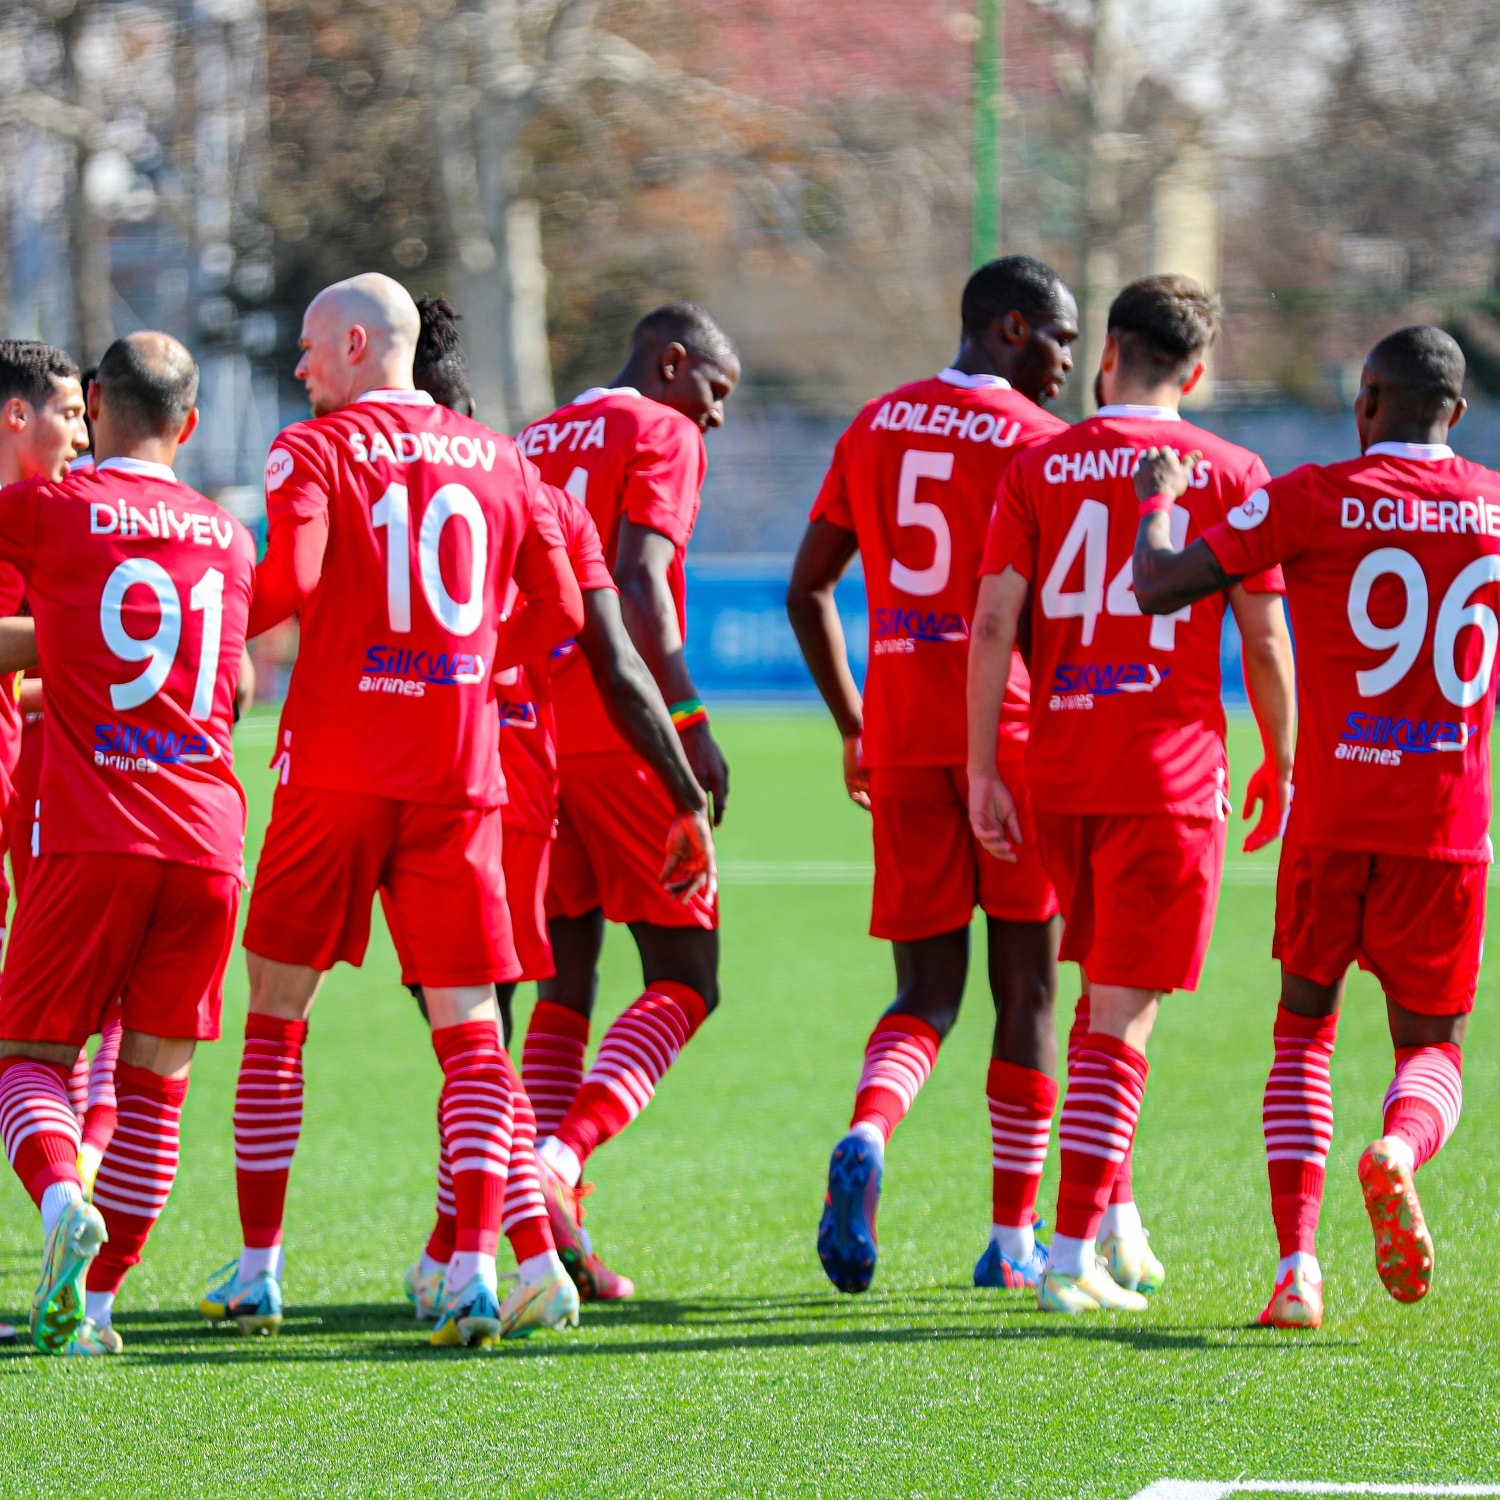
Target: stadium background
[(822, 176)]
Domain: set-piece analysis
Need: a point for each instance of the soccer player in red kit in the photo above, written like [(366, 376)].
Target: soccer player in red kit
[(633, 453), (528, 758), (911, 488), (395, 528), (141, 590), (1127, 762), (1392, 564)]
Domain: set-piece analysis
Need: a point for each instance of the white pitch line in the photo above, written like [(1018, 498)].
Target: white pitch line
[(1197, 1489)]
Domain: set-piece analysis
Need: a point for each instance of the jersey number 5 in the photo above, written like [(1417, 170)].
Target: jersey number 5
[(159, 650), (933, 579), (450, 502), (1089, 534)]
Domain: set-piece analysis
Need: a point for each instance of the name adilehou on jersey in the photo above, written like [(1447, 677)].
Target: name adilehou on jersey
[(1382, 740), (395, 669), (128, 747), (920, 419)]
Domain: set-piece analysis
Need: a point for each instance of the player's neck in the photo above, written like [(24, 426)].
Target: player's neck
[(11, 470), (639, 374), (1423, 434), (384, 378), (161, 451), (1167, 396)]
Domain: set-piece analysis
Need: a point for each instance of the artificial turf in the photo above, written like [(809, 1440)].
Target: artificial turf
[(737, 1370)]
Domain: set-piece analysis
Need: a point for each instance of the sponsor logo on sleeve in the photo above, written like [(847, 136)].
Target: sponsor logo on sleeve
[(279, 466), (1250, 512)]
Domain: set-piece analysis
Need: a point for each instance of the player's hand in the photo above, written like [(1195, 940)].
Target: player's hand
[(1273, 792), (690, 867), (1159, 471), (992, 813), (709, 766), (856, 773)]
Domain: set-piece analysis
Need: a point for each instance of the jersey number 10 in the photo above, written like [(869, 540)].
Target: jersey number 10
[(450, 502)]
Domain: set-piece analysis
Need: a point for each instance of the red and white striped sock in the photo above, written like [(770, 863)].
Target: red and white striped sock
[(898, 1061), (1122, 1193), (1297, 1117), (138, 1169), (445, 1229), (1106, 1084), (1425, 1098), (636, 1051), (267, 1123), (102, 1111), (477, 1111), (37, 1124), (1021, 1102), (78, 1084), (525, 1222), (552, 1062)]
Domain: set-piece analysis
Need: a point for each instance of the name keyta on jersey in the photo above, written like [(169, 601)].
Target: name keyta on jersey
[(1477, 517), (946, 421), (547, 437), (159, 520), (457, 450)]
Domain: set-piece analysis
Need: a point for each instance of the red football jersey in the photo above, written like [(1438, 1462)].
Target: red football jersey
[(915, 478), (1126, 715), (528, 724), (429, 517), (628, 458), (1392, 566), (141, 589), (12, 599)]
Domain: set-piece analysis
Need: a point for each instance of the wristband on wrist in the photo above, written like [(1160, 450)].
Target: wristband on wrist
[(688, 713), (1156, 502)]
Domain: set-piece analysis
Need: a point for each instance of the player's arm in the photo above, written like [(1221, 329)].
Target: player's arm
[(17, 644), (30, 700), (1270, 679), (992, 639), (1164, 580), (643, 560), (823, 558), (640, 713), (551, 607), (291, 568), (244, 687)]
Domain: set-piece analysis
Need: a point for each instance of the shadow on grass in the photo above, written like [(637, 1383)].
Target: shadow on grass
[(386, 1333)]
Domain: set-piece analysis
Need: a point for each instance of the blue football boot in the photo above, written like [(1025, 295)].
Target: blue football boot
[(846, 1233)]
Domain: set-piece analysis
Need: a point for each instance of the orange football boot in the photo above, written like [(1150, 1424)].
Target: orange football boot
[(1403, 1247)]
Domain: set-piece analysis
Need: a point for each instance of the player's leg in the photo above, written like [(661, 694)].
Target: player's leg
[(558, 1034), (101, 1105), (1020, 1092), (1423, 937)]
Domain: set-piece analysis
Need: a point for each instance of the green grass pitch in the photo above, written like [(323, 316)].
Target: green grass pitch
[(737, 1371)]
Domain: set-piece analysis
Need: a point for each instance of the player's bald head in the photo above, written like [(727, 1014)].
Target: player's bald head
[(1420, 369), (148, 384), (376, 303)]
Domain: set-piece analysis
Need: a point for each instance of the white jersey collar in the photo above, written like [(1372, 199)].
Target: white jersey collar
[(598, 392), (83, 464), (1140, 413), (399, 398), (142, 466), (1424, 453), (966, 382)]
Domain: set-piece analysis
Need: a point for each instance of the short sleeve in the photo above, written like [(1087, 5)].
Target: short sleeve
[(298, 479), (1270, 525), (1011, 541), (833, 504), (662, 485), (18, 511)]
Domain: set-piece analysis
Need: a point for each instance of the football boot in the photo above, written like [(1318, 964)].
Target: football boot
[(847, 1243), (1403, 1246)]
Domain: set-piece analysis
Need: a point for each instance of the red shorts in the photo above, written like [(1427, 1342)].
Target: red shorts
[(1138, 893), (930, 871), (528, 857), (96, 928), (612, 822), (1417, 925), (438, 871)]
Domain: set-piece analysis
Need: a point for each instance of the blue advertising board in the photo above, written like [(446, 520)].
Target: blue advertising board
[(740, 645)]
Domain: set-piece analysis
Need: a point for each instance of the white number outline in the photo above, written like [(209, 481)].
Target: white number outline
[(927, 515), (450, 502), (159, 650)]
